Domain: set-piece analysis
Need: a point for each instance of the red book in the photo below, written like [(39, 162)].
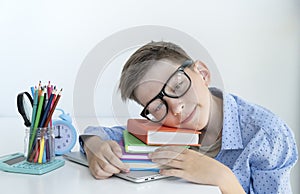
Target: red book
[(156, 134)]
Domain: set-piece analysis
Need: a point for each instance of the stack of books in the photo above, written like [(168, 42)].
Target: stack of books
[(137, 159), (143, 137)]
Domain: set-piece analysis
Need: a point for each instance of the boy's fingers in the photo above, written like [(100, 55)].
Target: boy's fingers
[(108, 167), (169, 163), (97, 171), (115, 148), (170, 155), (172, 172), (113, 158), (179, 149)]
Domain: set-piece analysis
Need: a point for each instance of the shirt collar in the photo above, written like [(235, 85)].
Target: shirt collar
[(231, 135)]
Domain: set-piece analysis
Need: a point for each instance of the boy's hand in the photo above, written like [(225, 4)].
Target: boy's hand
[(104, 157), (196, 167)]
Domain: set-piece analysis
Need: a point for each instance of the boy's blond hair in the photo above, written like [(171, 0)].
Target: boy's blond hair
[(141, 60)]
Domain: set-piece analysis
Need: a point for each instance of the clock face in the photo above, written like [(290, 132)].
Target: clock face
[(65, 138)]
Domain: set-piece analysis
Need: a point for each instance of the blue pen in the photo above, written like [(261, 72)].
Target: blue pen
[(47, 148), (46, 111), (44, 107), (32, 91), (44, 157)]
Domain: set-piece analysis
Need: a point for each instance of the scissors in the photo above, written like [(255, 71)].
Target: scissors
[(25, 104)]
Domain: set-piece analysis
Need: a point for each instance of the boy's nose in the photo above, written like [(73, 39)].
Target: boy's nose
[(176, 106)]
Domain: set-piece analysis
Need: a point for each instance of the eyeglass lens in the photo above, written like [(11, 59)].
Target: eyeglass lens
[(176, 87), (156, 110)]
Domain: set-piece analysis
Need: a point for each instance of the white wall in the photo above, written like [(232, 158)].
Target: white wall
[(256, 45)]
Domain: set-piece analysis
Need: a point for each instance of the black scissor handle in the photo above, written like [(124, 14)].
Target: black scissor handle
[(22, 106)]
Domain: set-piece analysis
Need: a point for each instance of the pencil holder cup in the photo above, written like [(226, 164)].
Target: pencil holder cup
[(39, 145)]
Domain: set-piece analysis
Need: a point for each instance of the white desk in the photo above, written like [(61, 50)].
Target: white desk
[(74, 178)]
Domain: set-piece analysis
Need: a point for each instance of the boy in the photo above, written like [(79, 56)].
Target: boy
[(244, 147)]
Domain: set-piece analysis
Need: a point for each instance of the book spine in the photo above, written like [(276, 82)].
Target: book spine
[(137, 131), (141, 165), (141, 131), (145, 169)]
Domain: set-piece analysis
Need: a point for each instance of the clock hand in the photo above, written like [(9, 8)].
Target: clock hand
[(59, 136)]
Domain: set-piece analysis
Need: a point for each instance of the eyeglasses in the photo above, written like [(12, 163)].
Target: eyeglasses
[(175, 87)]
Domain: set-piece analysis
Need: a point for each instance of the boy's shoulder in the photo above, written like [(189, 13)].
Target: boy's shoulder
[(257, 117)]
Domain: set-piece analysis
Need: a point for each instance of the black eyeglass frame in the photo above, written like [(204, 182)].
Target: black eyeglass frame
[(162, 92)]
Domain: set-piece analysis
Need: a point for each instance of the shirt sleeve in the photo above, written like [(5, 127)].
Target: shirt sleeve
[(271, 164), (105, 133)]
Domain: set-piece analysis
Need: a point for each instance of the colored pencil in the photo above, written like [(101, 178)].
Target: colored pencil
[(47, 109), (34, 110), (42, 145), (52, 109)]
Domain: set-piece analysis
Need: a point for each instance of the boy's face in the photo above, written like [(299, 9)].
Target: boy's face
[(190, 110)]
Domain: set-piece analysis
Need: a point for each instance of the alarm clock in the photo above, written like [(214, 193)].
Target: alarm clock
[(65, 134)]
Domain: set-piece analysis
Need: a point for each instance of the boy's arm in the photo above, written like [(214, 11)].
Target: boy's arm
[(104, 133), (103, 152), (271, 166)]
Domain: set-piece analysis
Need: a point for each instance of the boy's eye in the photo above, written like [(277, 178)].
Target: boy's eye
[(177, 87), (158, 107)]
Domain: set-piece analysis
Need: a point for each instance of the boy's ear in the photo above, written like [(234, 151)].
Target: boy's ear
[(201, 68)]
